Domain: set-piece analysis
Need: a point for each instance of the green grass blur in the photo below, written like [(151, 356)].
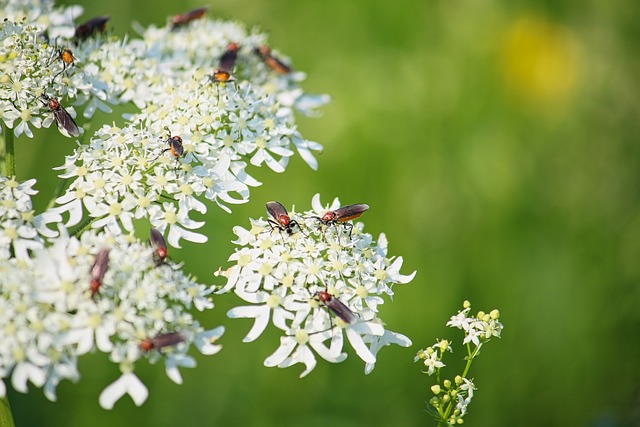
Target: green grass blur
[(497, 144)]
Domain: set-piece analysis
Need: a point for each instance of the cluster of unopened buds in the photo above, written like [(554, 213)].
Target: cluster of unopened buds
[(318, 277)]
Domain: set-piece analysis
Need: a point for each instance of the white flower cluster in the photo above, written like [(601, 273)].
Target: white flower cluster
[(165, 73), (208, 100), (464, 396), (432, 356), (316, 283), (21, 230), (97, 293), (122, 176), (32, 68), (192, 138), (479, 328)]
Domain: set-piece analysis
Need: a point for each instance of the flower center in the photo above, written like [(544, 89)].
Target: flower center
[(170, 217), (144, 202), (265, 269), (287, 281), (115, 209), (244, 260), (208, 182), (381, 274), (362, 292), (302, 337), (94, 321), (338, 266), (25, 115), (11, 233), (273, 301), (261, 142)]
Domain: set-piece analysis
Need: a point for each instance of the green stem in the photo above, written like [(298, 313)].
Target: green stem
[(83, 227), (62, 183), (447, 412), (470, 357), (167, 198), (7, 155), (6, 417)]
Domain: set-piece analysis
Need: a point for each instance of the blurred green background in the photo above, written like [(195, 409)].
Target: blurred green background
[(497, 144)]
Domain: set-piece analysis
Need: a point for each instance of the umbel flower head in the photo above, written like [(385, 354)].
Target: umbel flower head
[(317, 284), (21, 230), (166, 73), (187, 137), (97, 293)]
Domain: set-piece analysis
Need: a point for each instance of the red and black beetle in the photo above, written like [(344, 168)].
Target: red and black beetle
[(280, 218)]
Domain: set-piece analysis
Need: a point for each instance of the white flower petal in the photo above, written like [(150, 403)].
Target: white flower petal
[(302, 355), (24, 372), (359, 346), (127, 384), (334, 353), (259, 313), (205, 341), (287, 345), (176, 233)]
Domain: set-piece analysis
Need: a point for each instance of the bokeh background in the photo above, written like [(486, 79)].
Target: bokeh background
[(497, 144)]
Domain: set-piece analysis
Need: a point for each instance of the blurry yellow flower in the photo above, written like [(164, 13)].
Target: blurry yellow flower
[(540, 60)]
